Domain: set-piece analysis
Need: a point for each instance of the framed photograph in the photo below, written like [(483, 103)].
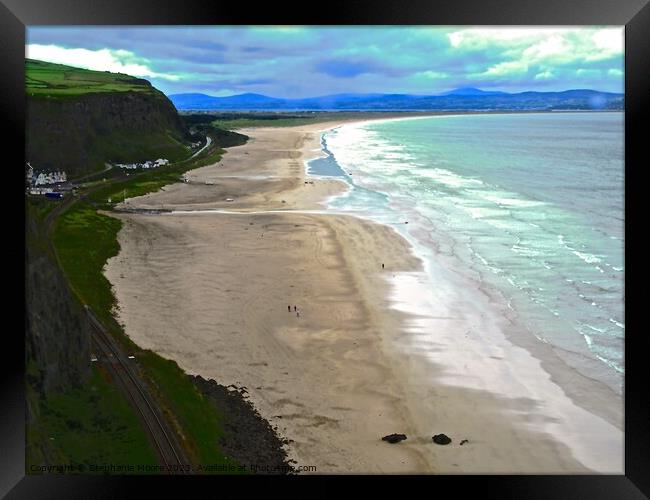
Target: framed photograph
[(380, 240)]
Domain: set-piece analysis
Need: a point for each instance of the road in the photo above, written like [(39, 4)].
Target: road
[(94, 174), (207, 143)]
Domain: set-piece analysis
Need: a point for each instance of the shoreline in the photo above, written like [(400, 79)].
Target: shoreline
[(390, 380), (590, 408), (579, 399)]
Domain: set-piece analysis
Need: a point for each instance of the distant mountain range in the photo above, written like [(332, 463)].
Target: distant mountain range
[(466, 98)]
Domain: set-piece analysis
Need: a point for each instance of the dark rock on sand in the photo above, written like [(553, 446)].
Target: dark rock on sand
[(441, 439), (463, 442), (394, 438), (248, 438)]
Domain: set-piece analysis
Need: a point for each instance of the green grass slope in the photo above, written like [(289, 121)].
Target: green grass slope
[(84, 240), (44, 79)]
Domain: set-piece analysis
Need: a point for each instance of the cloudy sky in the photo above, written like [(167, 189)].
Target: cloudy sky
[(313, 61)]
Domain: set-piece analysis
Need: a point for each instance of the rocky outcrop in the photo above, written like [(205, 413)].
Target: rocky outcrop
[(441, 439), (248, 437), (394, 438)]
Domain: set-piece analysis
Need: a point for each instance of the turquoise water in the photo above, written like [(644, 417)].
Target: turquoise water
[(532, 204)]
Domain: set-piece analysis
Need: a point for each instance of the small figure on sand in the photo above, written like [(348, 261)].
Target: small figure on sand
[(382, 265), (295, 308), (297, 314), (289, 308)]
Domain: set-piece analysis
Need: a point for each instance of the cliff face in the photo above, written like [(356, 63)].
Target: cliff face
[(57, 332), (57, 341), (80, 133)]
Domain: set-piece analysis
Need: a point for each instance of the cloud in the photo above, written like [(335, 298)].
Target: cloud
[(304, 61), (537, 44), (545, 75), (115, 61), (432, 75), (609, 40), (482, 38), (544, 57), (508, 68), (552, 46)]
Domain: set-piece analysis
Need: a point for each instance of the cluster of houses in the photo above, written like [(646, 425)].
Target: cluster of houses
[(147, 164), (44, 182), (44, 178)]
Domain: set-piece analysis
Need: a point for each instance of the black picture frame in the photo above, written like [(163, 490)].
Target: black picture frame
[(15, 15)]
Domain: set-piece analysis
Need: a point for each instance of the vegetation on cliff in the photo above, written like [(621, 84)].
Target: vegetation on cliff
[(78, 120)]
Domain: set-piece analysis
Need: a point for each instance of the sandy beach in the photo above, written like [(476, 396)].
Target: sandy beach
[(216, 291)]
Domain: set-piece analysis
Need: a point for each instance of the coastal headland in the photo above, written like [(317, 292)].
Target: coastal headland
[(249, 280)]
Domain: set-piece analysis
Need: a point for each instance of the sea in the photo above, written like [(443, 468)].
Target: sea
[(529, 204)]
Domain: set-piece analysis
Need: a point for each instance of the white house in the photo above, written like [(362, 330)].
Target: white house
[(41, 190), (50, 178), (147, 164)]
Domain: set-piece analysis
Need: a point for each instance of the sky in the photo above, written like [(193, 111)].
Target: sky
[(297, 61)]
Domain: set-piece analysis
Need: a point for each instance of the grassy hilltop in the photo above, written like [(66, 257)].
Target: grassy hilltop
[(44, 79)]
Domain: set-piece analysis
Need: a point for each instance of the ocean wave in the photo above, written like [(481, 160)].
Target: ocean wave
[(484, 212), (526, 251), (620, 325), (510, 200), (587, 257), (447, 178)]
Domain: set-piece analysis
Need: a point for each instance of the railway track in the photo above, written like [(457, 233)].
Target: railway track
[(171, 457), (169, 454)]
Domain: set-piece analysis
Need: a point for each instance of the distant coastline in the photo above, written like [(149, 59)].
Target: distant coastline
[(476, 100)]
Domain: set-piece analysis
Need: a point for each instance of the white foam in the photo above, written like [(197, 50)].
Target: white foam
[(510, 200), (617, 323), (526, 251), (587, 257), (448, 178)]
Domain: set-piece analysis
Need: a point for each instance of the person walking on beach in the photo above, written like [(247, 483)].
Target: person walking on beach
[(295, 308), (382, 265), (289, 308), (297, 314)]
